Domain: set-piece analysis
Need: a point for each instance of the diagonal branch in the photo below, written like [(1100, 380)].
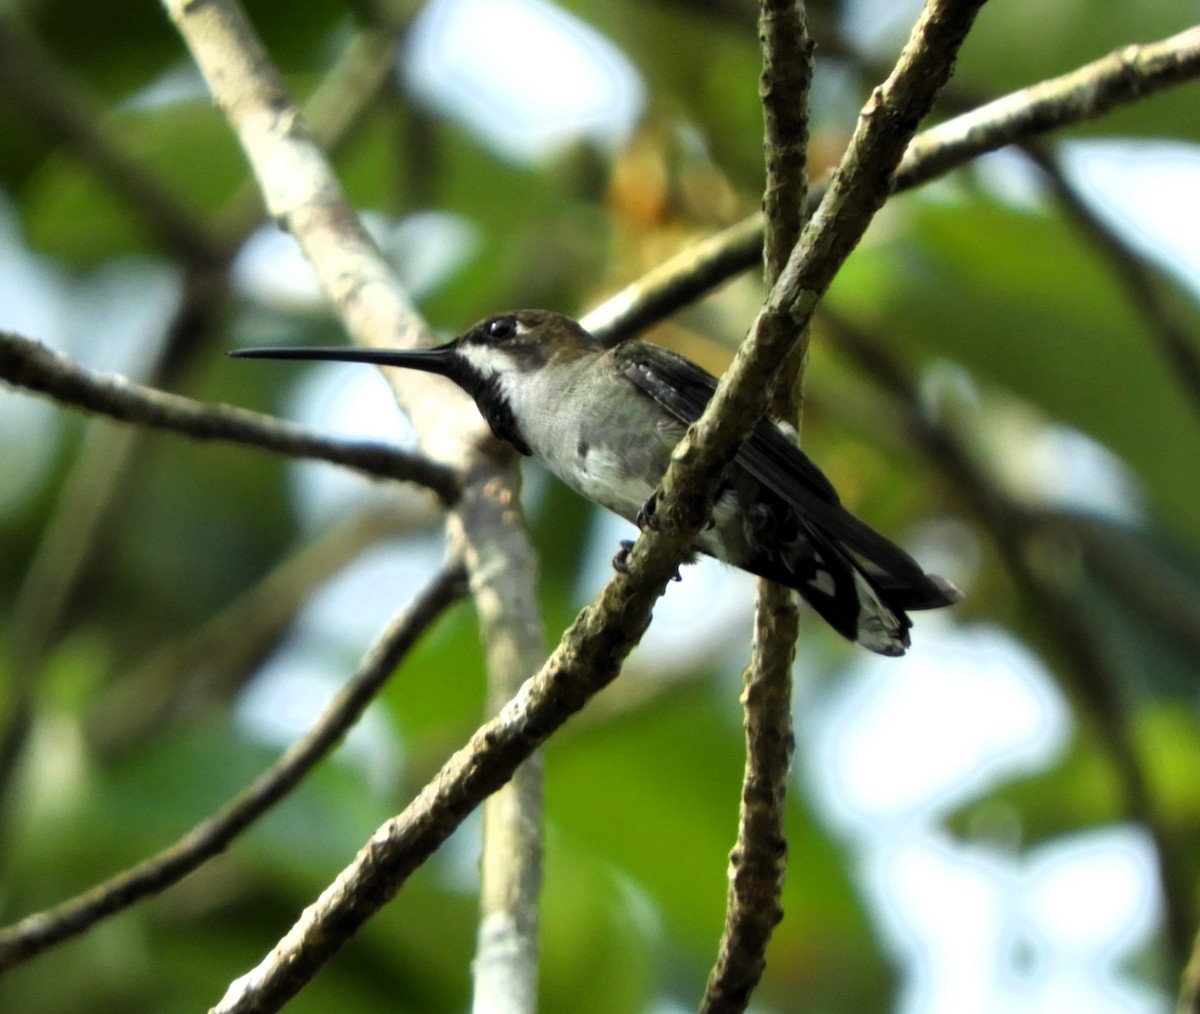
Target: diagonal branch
[(1125, 76), (35, 933), (33, 366)]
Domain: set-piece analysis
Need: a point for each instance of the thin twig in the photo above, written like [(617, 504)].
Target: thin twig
[(758, 862), (1126, 75), (35, 933), (33, 366)]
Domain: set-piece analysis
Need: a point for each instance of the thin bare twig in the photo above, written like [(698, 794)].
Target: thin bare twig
[(33, 366), (1127, 75), (35, 933), (758, 862)]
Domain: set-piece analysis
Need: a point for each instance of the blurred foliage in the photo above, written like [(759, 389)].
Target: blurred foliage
[(642, 791)]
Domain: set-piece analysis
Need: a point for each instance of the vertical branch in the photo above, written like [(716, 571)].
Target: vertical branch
[(758, 862), (506, 952)]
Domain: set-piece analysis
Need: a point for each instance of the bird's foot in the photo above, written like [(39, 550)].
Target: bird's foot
[(645, 518), (620, 562)]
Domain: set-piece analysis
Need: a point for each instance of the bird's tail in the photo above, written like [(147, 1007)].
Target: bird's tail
[(859, 599)]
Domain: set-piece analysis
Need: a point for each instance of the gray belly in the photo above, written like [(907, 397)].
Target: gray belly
[(607, 477)]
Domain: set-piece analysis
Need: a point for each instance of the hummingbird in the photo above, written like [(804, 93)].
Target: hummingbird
[(605, 419)]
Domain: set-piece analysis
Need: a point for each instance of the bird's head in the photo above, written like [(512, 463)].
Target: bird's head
[(486, 361)]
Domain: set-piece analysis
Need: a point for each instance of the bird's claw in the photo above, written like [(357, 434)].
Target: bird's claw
[(645, 518), (620, 562)]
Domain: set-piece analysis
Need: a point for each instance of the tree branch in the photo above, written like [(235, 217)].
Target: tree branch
[(758, 862), (33, 366), (35, 933), (505, 968)]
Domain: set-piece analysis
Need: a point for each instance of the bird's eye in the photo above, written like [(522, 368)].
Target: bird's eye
[(500, 328)]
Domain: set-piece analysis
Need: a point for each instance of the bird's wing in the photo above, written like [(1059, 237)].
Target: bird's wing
[(684, 389)]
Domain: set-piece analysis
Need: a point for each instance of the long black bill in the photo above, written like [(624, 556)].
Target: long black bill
[(440, 360)]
